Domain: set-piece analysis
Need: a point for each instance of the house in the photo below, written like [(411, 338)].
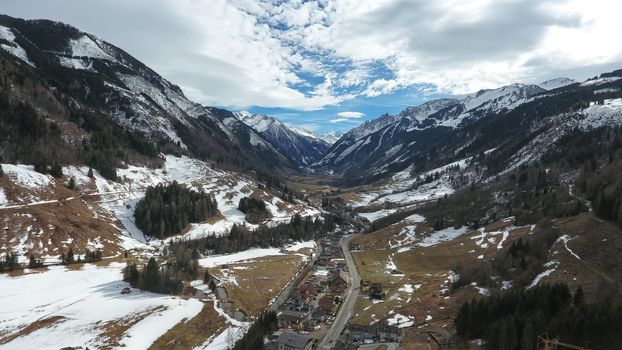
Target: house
[(290, 319), (338, 282), (388, 333), (309, 289), (326, 303), (294, 341), (359, 333)]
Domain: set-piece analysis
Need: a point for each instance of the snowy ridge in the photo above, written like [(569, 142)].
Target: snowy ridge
[(72, 295), (84, 46), (556, 83), (383, 136), (119, 198), (595, 116), (300, 146), (13, 48)]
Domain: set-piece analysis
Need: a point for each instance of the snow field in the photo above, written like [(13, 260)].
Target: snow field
[(85, 299)]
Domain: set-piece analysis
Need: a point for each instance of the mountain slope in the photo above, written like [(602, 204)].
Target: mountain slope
[(386, 143), (300, 146), (95, 76)]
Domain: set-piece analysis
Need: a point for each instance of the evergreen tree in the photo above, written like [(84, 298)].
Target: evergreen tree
[(1, 171), (56, 170), (69, 259), (151, 275), (528, 340), (72, 183), (167, 210), (90, 173)]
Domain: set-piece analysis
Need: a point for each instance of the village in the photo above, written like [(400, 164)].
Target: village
[(311, 308)]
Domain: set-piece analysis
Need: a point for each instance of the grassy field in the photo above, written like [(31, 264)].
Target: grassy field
[(193, 332), (590, 258), (586, 254), (421, 291), (252, 284)]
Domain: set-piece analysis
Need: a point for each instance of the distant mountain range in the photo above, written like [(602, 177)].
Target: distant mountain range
[(300, 146), (445, 129)]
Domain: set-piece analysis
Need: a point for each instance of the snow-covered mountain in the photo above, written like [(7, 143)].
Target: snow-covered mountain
[(299, 145), (331, 136), (98, 76), (438, 131), (387, 139), (556, 83)]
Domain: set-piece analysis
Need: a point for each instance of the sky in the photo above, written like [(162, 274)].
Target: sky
[(332, 64)]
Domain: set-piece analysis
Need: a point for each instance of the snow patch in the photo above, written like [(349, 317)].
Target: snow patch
[(444, 235), (401, 321), (84, 46), (13, 48)]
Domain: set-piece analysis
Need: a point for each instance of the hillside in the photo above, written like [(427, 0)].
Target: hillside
[(65, 73), (442, 131)]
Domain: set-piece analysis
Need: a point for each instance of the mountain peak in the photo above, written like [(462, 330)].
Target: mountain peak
[(556, 83)]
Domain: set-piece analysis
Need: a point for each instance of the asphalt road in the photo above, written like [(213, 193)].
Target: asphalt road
[(346, 309)]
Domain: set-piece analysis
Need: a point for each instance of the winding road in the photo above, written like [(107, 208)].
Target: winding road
[(346, 309)]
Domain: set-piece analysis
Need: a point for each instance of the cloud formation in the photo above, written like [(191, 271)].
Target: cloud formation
[(307, 55), (351, 114)]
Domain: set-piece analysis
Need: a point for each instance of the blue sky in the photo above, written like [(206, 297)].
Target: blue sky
[(331, 64), (328, 118)]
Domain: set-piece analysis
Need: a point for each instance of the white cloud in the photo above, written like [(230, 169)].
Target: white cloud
[(351, 114), (307, 55)]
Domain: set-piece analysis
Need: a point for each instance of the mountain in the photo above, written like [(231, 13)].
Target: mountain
[(298, 145), (556, 83), (93, 76), (331, 136), (503, 194), (420, 136), (378, 143)]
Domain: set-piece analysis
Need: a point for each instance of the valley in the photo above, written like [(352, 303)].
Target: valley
[(133, 217)]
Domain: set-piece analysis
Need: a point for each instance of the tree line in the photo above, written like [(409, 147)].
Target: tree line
[(512, 319), (167, 209), (240, 238), (255, 209), (181, 265), (604, 188), (253, 338)]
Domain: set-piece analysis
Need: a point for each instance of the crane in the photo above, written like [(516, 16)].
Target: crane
[(552, 344)]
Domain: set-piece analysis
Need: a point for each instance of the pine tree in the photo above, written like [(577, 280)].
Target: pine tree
[(1, 171), (56, 170), (69, 259), (72, 183), (151, 275), (90, 173)]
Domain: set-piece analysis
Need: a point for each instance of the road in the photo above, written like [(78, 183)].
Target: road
[(346, 309)]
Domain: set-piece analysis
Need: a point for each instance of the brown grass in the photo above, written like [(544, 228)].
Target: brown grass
[(425, 266), (43, 323), (50, 226), (598, 245), (193, 332), (259, 281), (113, 331)]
